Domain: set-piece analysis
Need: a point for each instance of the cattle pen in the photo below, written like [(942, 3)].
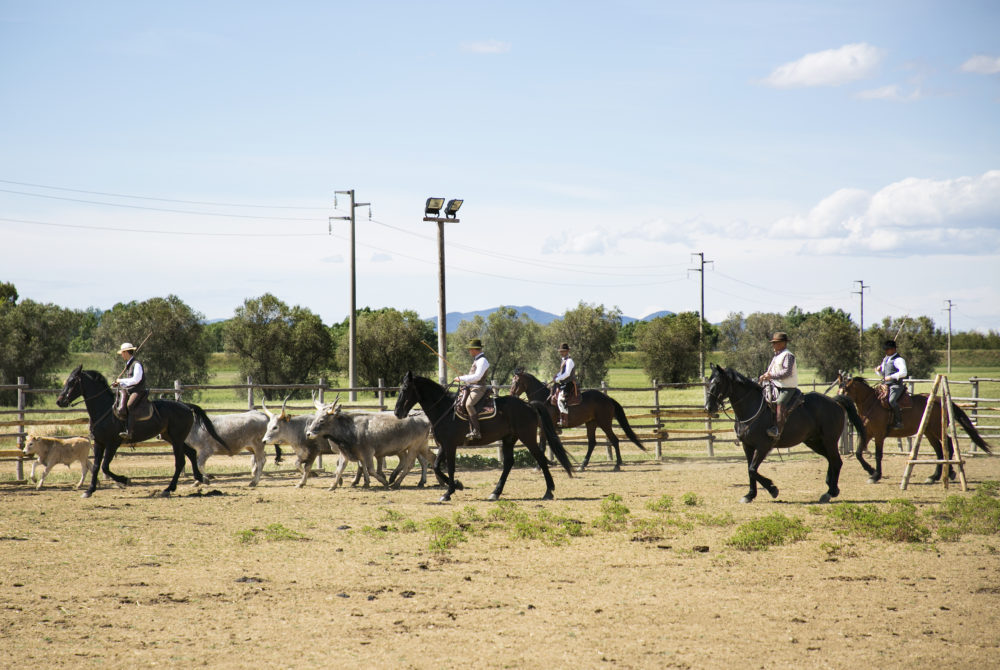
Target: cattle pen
[(662, 415)]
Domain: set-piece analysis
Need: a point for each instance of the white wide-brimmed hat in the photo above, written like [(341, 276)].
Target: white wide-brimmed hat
[(127, 346)]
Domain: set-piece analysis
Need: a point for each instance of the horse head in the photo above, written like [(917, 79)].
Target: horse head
[(407, 397), (720, 386), (72, 388), (517, 383)]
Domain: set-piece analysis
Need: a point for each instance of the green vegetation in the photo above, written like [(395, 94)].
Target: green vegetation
[(775, 529), (978, 514), (274, 532), (900, 523), (614, 514)]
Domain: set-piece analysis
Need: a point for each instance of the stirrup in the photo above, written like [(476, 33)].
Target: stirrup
[(473, 435), (773, 432)]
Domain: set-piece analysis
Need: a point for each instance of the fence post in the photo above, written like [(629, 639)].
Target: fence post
[(381, 394), (21, 404), (249, 393), (177, 390), (708, 419), (658, 423), (607, 445), (975, 406), (322, 389)]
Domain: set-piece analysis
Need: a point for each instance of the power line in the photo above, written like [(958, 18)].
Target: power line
[(159, 232), (143, 197)]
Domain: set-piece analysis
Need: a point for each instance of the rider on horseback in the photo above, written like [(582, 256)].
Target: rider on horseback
[(477, 383), (565, 379), (892, 370), (783, 374), (132, 386)]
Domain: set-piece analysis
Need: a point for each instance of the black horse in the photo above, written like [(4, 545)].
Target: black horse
[(515, 420), (818, 422), (172, 421), (596, 410)]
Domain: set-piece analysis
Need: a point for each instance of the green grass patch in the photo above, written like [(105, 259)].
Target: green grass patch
[(614, 514), (445, 534), (274, 532), (978, 514), (663, 505), (775, 529), (691, 499), (900, 523)]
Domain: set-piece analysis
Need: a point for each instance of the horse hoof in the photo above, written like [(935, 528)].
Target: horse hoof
[(617, 468), (582, 468), (873, 479), (458, 485), (773, 492), (931, 480), (87, 494), (746, 499), (493, 497), (825, 498), (165, 494), (548, 496)]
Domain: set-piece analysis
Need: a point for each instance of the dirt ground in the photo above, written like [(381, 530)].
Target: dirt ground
[(128, 580)]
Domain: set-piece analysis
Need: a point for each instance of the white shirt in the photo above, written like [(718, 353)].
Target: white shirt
[(479, 367), (568, 366), (132, 380), (783, 370), (897, 362)]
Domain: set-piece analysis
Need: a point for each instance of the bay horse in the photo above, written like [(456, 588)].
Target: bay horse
[(818, 423), (877, 420), (171, 420), (596, 410), (515, 420)]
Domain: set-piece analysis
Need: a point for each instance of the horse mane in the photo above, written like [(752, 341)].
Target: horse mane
[(740, 377), (97, 377)]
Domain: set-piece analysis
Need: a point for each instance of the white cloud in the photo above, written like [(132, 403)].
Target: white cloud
[(832, 67), (332, 259), (589, 242), (982, 64), (486, 47), (891, 93), (912, 216), (380, 258)]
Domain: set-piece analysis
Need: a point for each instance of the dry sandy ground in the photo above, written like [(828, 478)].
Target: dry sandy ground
[(126, 580)]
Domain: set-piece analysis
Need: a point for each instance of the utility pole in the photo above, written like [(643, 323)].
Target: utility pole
[(950, 305), (352, 337), (432, 213), (861, 323), (701, 312)]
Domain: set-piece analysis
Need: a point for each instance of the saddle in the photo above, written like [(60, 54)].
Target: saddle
[(905, 400), (486, 408), (136, 404), (771, 396), (572, 397)]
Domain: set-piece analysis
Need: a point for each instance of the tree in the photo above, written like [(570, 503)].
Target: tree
[(86, 323), (176, 347), (389, 345), (509, 341), (745, 342), (668, 347), (278, 344), (828, 341), (215, 336), (591, 331), (915, 339), (34, 342)]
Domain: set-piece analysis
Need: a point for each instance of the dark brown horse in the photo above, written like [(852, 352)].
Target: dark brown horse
[(595, 409), (877, 420)]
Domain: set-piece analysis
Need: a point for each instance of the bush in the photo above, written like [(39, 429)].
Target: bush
[(898, 524), (760, 534), (614, 514)]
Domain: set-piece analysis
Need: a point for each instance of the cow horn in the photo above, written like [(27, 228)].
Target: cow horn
[(285, 402), (316, 403), (266, 410)]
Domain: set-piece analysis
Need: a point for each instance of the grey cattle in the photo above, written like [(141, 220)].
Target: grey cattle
[(283, 428), (241, 432), (54, 451), (368, 436)]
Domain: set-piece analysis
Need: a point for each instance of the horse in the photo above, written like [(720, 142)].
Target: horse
[(515, 420), (877, 419), (596, 409), (171, 420), (818, 422)]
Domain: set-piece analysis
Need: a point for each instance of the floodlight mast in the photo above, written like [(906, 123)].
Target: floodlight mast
[(432, 212), (352, 337)]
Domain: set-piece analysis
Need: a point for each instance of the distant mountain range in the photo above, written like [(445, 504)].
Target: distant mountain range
[(452, 319)]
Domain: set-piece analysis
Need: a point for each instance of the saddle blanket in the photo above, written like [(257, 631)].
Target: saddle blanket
[(573, 398), (485, 410), (905, 400)]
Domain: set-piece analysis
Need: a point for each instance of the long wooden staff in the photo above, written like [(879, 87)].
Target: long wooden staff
[(447, 362)]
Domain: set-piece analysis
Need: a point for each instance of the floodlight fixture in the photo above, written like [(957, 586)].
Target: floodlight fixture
[(433, 206), (451, 210)]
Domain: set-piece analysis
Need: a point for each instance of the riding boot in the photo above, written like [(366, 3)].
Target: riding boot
[(563, 420), (781, 415), (473, 433), (126, 434), (897, 419)]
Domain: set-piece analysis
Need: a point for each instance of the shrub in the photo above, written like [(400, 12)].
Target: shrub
[(614, 515), (898, 524), (760, 534)]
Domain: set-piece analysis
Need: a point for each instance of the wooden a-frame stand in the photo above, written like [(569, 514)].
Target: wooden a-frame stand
[(947, 421)]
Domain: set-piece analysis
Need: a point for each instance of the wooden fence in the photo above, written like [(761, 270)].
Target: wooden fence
[(651, 422)]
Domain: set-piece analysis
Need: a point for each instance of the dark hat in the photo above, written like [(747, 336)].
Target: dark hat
[(889, 344), (563, 347), (779, 337), (475, 343)]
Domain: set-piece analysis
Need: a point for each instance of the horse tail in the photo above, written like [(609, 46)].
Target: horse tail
[(623, 422), (552, 438), (852, 413), (966, 423), (200, 413)]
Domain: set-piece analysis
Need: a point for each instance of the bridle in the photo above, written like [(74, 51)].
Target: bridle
[(721, 401)]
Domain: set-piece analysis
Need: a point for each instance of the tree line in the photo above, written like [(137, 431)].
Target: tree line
[(276, 343)]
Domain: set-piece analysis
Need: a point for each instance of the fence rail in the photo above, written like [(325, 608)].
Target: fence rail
[(671, 422)]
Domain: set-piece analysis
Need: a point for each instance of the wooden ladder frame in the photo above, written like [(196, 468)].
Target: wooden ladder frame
[(947, 421)]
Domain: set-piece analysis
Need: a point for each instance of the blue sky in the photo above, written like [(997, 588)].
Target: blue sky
[(194, 148)]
